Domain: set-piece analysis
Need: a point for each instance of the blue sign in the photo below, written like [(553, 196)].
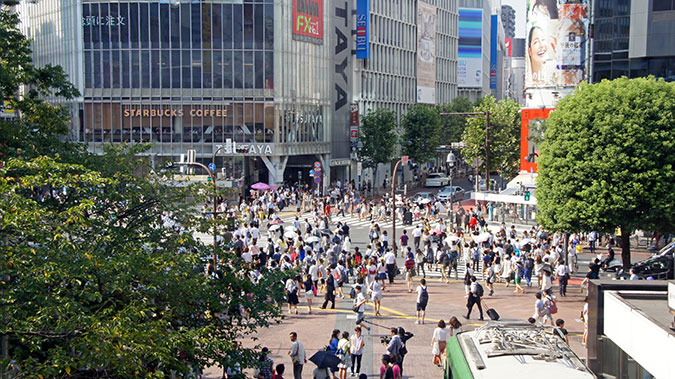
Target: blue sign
[(212, 166), (493, 51), (317, 180), (311, 172), (362, 29)]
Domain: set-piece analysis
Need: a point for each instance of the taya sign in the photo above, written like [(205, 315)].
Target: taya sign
[(254, 149), (308, 21), (174, 112)]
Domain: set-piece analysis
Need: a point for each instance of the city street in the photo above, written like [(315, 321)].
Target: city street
[(398, 310)]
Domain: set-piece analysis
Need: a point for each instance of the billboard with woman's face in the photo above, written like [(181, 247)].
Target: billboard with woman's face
[(556, 42)]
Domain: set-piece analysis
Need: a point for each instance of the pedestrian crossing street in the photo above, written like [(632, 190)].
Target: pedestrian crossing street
[(354, 222)]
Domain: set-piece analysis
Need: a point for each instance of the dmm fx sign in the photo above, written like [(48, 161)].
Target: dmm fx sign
[(308, 21), (241, 148), (159, 111)]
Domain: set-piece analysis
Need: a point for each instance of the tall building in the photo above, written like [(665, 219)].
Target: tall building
[(411, 58), (389, 77), (633, 39), (509, 21), (264, 84)]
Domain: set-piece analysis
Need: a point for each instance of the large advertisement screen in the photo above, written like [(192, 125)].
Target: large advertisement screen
[(308, 21), (470, 53), (426, 53), (556, 42)]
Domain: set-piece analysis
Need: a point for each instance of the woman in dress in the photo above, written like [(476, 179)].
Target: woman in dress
[(438, 343), (343, 352), (292, 289)]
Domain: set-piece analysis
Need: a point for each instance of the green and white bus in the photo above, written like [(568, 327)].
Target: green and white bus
[(501, 350)]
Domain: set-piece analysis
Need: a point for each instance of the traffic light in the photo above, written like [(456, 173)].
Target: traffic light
[(526, 194)]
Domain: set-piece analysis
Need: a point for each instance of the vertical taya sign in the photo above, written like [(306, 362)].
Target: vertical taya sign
[(362, 29), (308, 21), (493, 51)]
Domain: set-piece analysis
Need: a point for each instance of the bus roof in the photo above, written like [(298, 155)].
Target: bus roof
[(502, 350)]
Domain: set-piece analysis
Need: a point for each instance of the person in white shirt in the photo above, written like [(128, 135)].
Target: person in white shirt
[(356, 350), (297, 354), (563, 274), (360, 306), (390, 262), (247, 256), (376, 296), (438, 343), (417, 235)]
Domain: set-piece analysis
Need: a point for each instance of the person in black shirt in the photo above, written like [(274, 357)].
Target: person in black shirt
[(560, 330), (330, 290)]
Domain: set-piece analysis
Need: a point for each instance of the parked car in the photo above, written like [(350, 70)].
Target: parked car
[(444, 193), (423, 197), (437, 180), (660, 266)]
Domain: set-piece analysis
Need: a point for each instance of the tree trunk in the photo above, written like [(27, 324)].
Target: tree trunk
[(625, 249)]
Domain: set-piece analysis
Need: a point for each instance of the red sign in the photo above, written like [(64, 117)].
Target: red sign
[(531, 132), (354, 115), (308, 21), (509, 46), (354, 133)]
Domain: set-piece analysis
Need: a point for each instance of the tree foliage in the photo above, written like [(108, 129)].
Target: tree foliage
[(421, 133), (100, 275), (378, 135), (504, 135), (607, 160), (452, 126)]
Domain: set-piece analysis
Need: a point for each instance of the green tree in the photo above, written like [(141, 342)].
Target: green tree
[(95, 280), (607, 160), (41, 124), (378, 135), (452, 126), (504, 135), (421, 133)]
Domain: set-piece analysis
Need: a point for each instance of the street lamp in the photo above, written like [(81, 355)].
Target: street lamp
[(404, 160), (450, 161)]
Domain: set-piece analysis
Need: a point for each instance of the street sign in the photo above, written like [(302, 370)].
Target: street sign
[(317, 164), (317, 180), (212, 167), (317, 174), (311, 172)]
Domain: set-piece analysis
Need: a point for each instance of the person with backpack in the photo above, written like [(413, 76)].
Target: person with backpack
[(409, 269), (475, 295), (422, 301), (550, 308)]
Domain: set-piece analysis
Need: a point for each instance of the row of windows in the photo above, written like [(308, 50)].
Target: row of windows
[(391, 60), (393, 32), (608, 28), (115, 122), (179, 69), (404, 10), (611, 8), (153, 25), (388, 87), (661, 67), (663, 5)]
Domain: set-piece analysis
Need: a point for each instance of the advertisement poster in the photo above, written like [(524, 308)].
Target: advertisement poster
[(308, 21), (426, 53), (494, 23), (556, 42), (470, 53), (363, 29), (531, 135)]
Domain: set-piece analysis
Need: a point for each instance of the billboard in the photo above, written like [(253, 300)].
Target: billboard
[(531, 135), (363, 29), (493, 50), (556, 42), (426, 53), (470, 51), (308, 21)]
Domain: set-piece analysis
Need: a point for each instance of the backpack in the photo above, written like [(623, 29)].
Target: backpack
[(553, 307), (424, 296), (479, 290)]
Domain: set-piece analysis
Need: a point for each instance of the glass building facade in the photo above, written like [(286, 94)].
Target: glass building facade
[(187, 74), (181, 74)]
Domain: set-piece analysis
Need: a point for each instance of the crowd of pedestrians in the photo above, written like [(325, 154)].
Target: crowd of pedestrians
[(325, 263)]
